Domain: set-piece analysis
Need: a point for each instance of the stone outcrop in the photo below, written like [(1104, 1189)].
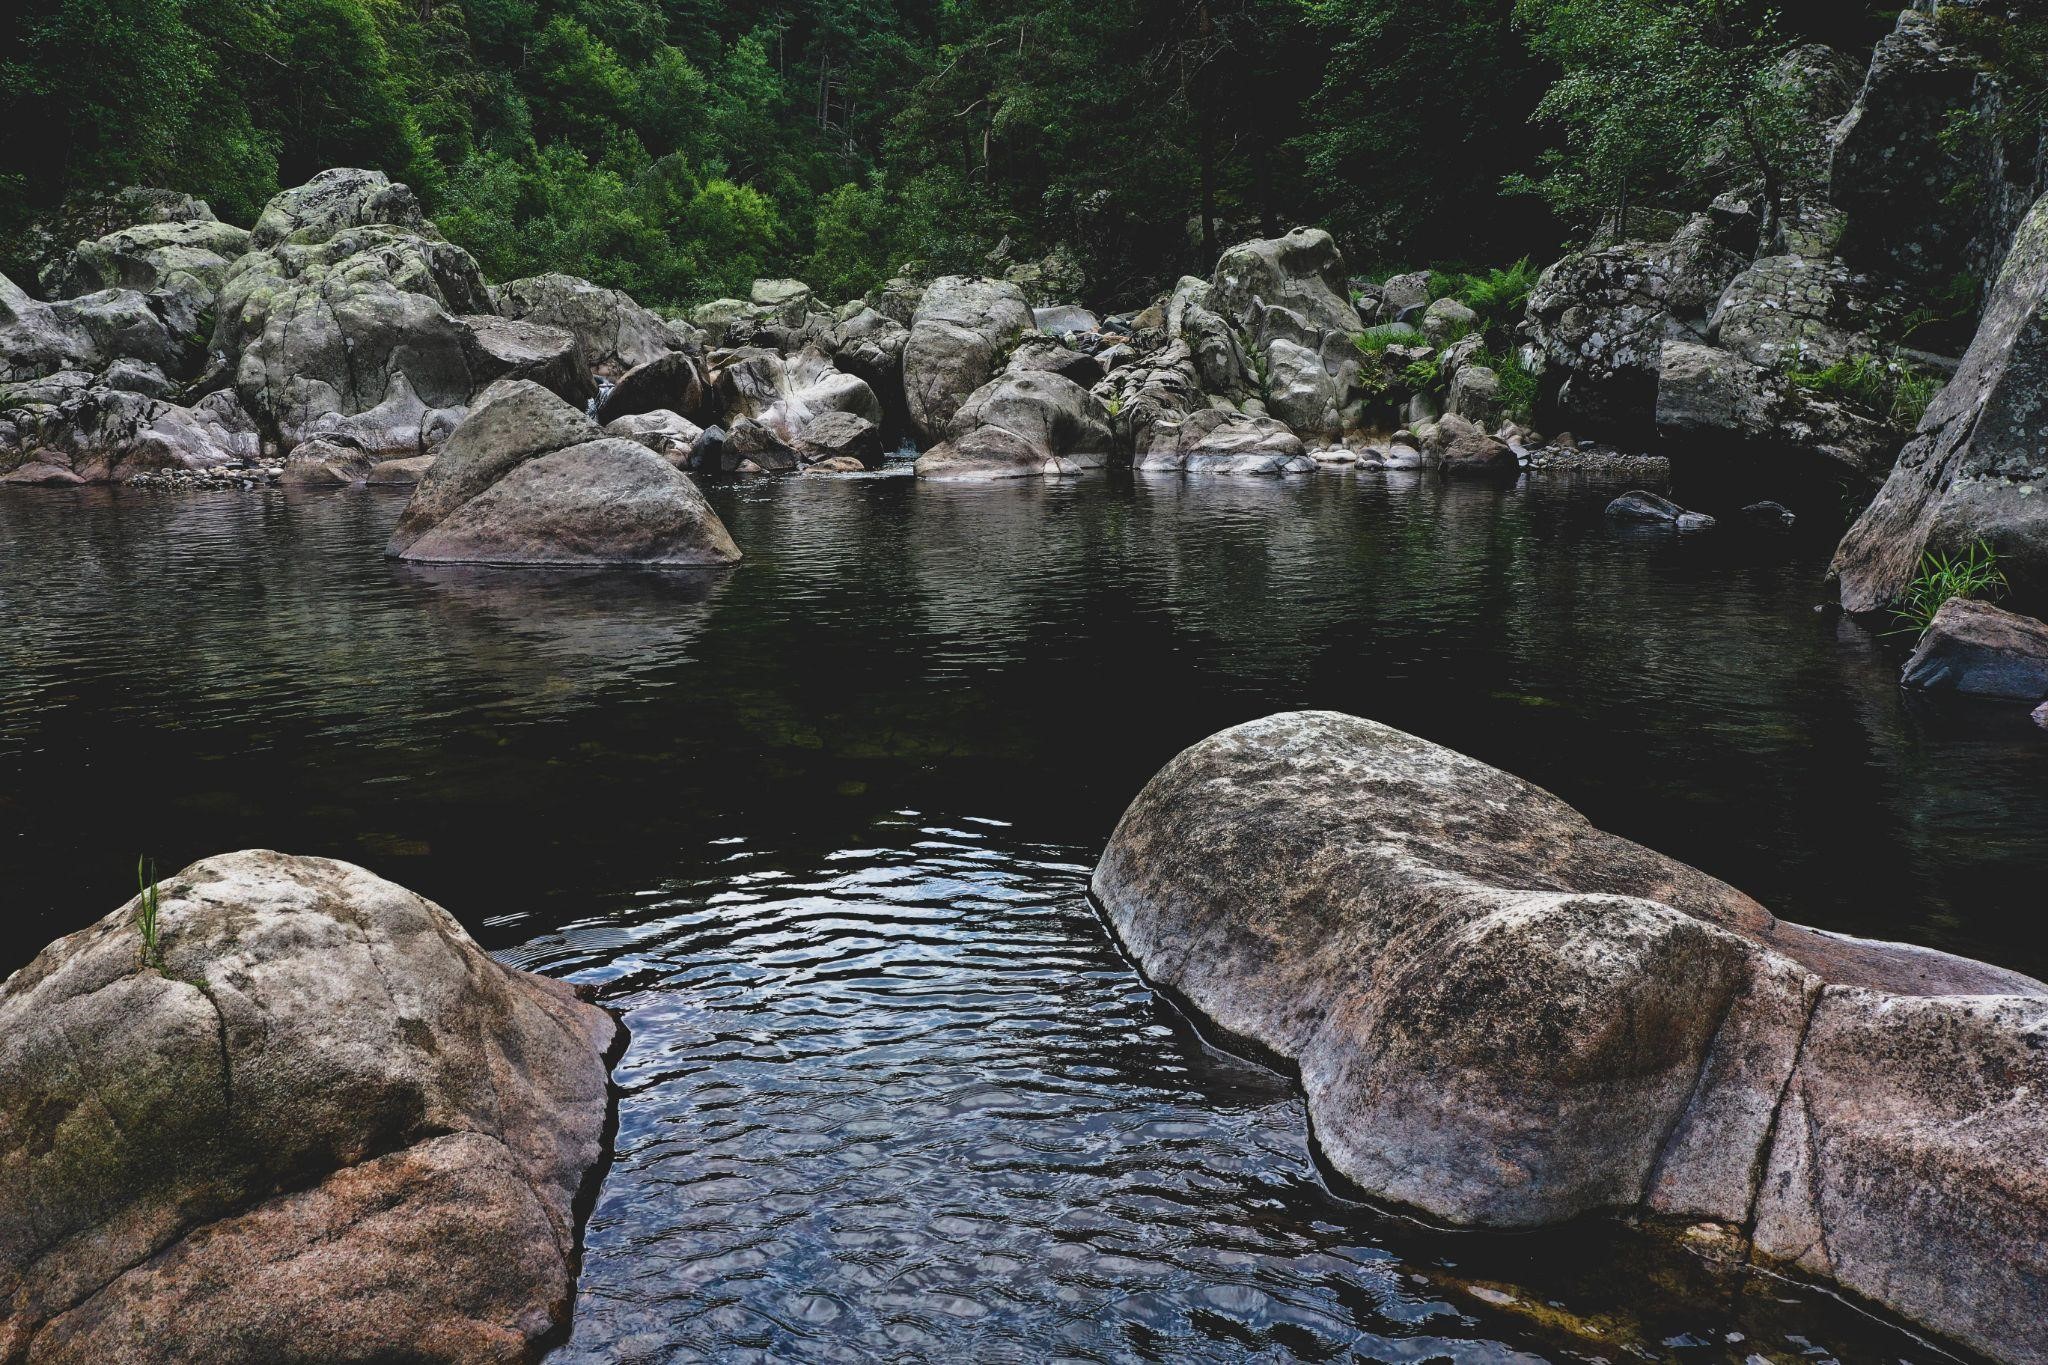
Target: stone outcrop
[(960, 336), (1505, 1017), (1022, 424), (550, 356), (319, 1124), (1285, 299), (349, 321), (86, 333), (783, 396), (1983, 651), (1930, 187), (868, 344), (1508, 1018), (1165, 421), (333, 201), (178, 265), (1978, 466), (70, 427), (528, 480), (615, 333)]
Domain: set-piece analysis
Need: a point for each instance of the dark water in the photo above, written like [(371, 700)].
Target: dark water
[(820, 828)]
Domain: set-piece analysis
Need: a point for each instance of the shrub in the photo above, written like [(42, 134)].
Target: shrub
[(1518, 388), (1973, 574), (1499, 297)]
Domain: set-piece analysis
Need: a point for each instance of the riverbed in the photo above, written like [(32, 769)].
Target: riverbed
[(820, 828)]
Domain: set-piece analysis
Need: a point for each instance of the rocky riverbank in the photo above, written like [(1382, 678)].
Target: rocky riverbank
[(1774, 339), (1505, 1017)]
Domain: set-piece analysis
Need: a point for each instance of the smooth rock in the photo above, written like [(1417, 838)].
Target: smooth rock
[(328, 1126), (1982, 651), (1642, 505), (527, 480), (615, 333), (325, 464), (1505, 1017), (403, 473), (964, 327)]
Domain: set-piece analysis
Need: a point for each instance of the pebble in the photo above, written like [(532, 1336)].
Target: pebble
[(248, 476)]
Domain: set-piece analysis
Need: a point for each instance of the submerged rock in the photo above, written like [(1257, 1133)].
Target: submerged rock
[(321, 463), (1645, 508), (323, 1124), (1983, 651), (528, 480), (1505, 1017)]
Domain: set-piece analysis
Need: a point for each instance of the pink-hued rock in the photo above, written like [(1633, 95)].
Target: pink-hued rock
[(325, 1126), (1506, 1017)]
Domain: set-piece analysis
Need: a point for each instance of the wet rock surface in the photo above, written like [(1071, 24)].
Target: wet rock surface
[(1505, 1017), (1980, 650)]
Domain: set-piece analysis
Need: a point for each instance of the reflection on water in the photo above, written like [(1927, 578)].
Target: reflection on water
[(820, 826)]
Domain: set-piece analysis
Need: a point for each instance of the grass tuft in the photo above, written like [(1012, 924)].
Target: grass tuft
[(1973, 574), (146, 913)]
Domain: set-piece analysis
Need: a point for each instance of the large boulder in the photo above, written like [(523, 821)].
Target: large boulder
[(314, 1122), (783, 396), (843, 440), (615, 332), (868, 345), (1980, 650), (1978, 466), (335, 200), (86, 333), (1021, 424), (509, 348), (528, 480), (1597, 319), (357, 334), (960, 336), (1283, 301), (180, 265), (1932, 181), (1505, 1017), (670, 382)]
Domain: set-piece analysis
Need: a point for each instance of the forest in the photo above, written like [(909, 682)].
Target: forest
[(678, 149)]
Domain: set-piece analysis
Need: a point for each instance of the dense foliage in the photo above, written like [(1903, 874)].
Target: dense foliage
[(679, 148)]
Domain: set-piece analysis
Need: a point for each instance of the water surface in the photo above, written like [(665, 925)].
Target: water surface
[(820, 828)]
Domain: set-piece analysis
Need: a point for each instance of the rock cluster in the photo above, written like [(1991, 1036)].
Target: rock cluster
[(1505, 1017), (312, 1120), (529, 480)]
